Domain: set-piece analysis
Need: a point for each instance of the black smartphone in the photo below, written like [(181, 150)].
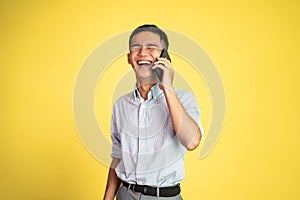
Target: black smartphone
[(158, 71)]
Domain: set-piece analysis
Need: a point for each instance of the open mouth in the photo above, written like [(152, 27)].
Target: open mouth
[(144, 63)]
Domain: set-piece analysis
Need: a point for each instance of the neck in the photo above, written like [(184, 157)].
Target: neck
[(144, 86), (144, 89)]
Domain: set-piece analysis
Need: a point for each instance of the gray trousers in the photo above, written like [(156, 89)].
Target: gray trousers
[(127, 194)]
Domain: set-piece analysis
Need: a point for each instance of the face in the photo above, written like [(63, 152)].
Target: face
[(144, 49)]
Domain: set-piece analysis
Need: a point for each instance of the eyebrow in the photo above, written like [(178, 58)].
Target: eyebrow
[(151, 44), (135, 45), (147, 45)]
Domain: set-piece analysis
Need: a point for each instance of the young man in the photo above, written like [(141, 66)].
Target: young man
[(151, 127)]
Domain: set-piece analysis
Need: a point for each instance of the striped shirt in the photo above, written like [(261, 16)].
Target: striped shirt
[(144, 140)]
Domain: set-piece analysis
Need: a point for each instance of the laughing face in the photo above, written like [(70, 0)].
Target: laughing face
[(145, 47)]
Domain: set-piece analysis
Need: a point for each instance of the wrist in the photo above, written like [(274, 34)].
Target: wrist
[(109, 195), (167, 88), (108, 198)]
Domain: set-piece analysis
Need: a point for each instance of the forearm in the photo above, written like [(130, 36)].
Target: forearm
[(113, 182), (187, 130)]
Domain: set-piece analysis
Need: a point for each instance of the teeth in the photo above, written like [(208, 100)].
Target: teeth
[(144, 62)]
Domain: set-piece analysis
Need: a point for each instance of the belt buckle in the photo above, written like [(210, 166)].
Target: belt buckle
[(145, 190), (133, 189)]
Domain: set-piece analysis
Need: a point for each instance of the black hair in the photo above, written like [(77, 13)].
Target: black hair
[(151, 28)]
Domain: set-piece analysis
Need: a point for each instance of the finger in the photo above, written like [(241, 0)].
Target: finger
[(164, 63), (159, 65), (163, 59)]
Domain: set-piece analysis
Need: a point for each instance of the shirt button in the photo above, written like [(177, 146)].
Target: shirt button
[(141, 125)]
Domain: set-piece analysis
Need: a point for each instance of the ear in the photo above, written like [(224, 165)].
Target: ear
[(129, 59)]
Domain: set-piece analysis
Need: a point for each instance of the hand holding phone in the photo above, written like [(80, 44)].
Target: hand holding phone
[(158, 71)]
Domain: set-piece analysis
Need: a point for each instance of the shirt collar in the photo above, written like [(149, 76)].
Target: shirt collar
[(154, 92)]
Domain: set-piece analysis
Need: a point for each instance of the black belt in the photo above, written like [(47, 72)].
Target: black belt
[(152, 191)]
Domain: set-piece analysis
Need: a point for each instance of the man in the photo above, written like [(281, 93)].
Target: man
[(151, 127)]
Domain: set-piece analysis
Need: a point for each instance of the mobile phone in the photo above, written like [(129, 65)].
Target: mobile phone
[(158, 71)]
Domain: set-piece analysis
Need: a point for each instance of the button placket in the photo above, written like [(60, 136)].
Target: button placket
[(142, 124)]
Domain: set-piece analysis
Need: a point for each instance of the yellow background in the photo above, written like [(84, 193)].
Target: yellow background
[(254, 44)]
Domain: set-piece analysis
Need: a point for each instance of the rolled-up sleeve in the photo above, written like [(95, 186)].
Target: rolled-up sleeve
[(190, 105)]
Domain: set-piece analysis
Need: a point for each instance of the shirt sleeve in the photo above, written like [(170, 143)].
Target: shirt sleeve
[(191, 107), (115, 137)]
